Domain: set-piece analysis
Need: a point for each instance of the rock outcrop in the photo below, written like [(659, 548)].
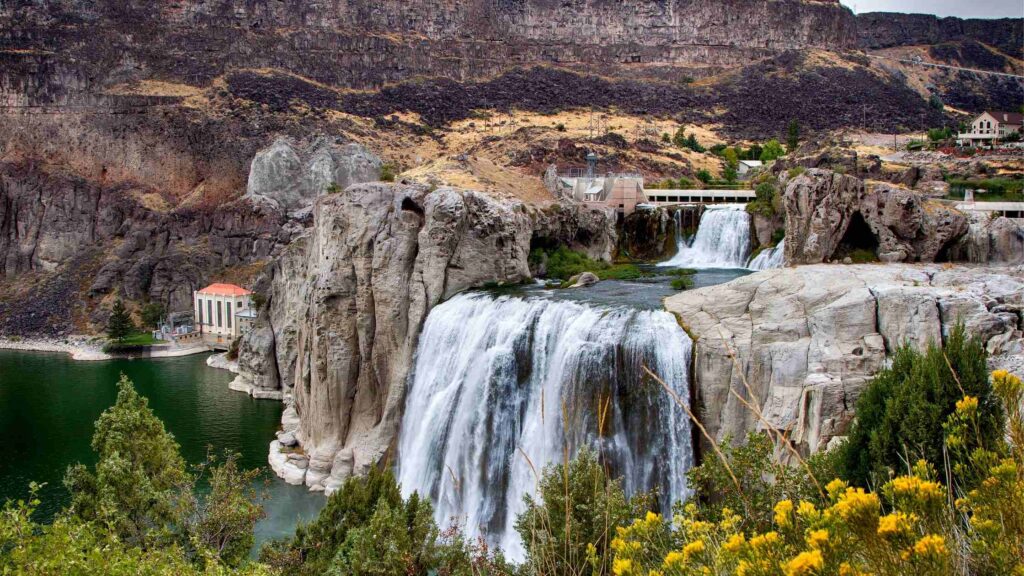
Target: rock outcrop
[(830, 216), (345, 306), (291, 176), (807, 339), (997, 240)]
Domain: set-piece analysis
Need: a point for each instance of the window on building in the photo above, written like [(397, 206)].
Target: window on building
[(220, 317), (200, 309), (229, 315), (209, 312)]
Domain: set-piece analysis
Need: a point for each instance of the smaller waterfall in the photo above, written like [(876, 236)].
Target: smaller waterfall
[(722, 240), (769, 258)]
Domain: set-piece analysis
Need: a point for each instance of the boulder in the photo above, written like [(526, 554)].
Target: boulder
[(291, 175), (807, 339), (584, 280), (830, 215), (988, 239)]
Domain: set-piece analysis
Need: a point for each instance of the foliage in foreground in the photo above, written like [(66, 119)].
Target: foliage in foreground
[(901, 413), (568, 527), (368, 528), (914, 524), (134, 512)]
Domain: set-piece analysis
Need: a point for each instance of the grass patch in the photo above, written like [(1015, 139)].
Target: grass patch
[(682, 283), (139, 338), (863, 256), (563, 264)]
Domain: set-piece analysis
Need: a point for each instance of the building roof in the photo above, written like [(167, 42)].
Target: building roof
[(1015, 118), (218, 289), (249, 313), (752, 163)]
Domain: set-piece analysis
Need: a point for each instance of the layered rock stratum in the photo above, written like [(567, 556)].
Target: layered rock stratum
[(801, 343)]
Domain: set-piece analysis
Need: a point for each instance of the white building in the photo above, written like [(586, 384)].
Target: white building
[(217, 309), (989, 127), (748, 168)]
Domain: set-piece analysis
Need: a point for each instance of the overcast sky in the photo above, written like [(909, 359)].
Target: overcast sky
[(961, 8)]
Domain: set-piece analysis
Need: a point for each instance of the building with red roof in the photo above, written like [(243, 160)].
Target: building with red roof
[(223, 312)]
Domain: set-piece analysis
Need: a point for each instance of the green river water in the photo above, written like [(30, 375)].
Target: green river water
[(49, 402)]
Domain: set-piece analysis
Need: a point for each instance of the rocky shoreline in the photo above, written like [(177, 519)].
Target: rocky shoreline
[(83, 348)]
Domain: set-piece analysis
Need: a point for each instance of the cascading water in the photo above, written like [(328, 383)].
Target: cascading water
[(769, 258), (722, 240), (497, 379)]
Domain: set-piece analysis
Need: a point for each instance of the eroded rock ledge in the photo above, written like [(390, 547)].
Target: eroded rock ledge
[(808, 339), (346, 304)]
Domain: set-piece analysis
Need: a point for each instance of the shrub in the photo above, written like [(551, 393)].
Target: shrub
[(560, 127), (568, 527), (764, 204), (682, 283), (388, 172), (704, 176), (772, 150), (563, 263), (119, 324), (152, 313), (901, 412), (335, 188), (796, 171)]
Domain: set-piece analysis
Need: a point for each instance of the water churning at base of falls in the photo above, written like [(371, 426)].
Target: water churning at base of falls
[(499, 378), (769, 258), (722, 239)]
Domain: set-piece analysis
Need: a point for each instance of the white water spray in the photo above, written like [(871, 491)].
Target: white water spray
[(496, 377), (769, 258), (722, 240)]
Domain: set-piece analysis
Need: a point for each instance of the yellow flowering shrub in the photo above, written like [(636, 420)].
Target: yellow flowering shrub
[(914, 524)]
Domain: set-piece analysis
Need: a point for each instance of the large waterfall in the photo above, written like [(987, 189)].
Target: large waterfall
[(769, 258), (499, 379), (722, 240)]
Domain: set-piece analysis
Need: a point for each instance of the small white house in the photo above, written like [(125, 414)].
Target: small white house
[(990, 127), (748, 168), (217, 311)]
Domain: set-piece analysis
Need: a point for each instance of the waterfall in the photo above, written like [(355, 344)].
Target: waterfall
[(722, 240), (497, 377), (769, 258)]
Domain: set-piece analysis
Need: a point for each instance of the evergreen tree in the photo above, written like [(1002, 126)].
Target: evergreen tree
[(139, 487), (793, 135), (119, 325)]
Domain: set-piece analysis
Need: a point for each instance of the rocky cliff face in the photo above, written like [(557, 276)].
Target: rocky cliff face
[(830, 216), (346, 305), (126, 239), (361, 44), (888, 29), (807, 339)]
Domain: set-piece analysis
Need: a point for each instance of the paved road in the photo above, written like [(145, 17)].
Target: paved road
[(948, 67)]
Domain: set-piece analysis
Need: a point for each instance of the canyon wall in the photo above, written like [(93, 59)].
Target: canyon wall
[(888, 29), (347, 302), (362, 44)]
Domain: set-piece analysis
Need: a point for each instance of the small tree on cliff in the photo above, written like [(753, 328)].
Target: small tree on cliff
[(793, 135), (119, 325), (152, 313)]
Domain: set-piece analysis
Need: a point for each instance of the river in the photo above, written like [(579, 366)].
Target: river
[(49, 402)]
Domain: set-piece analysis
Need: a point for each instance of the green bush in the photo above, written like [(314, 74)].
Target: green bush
[(772, 150), (388, 172), (704, 176), (682, 283), (901, 412), (563, 263), (764, 204), (568, 527), (796, 171)]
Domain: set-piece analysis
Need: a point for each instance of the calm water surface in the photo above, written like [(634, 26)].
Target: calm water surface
[(48, 404)]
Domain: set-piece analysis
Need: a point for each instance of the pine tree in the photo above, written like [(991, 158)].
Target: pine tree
[(119, 325), (793, 135)]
